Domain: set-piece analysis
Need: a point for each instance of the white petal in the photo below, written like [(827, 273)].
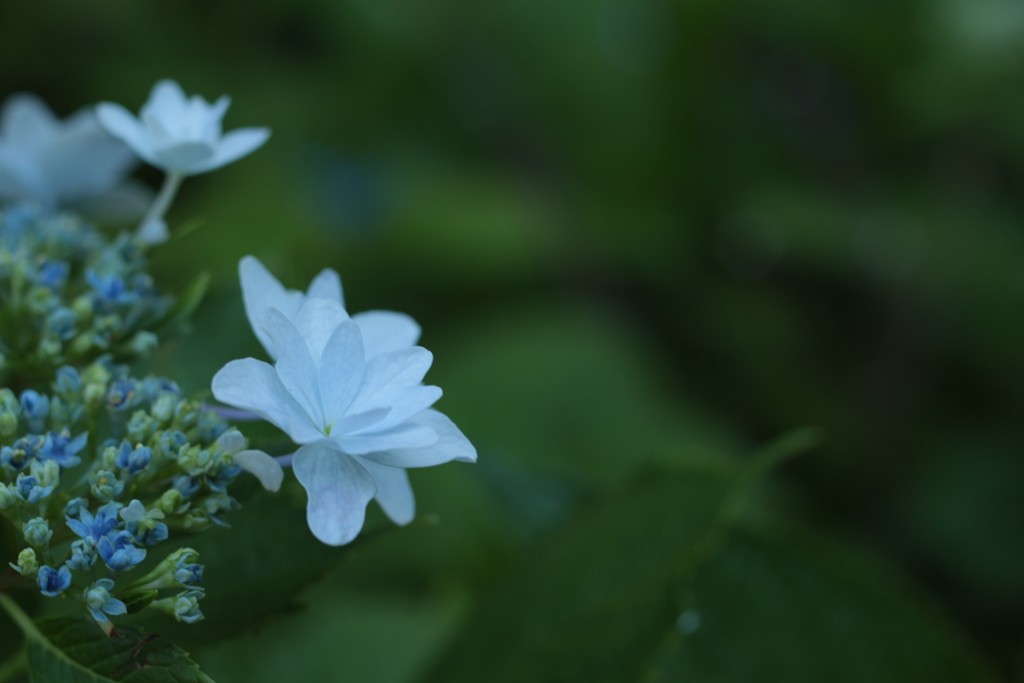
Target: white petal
[(295, 366), (385, 331), (387, 372), (342, 368), (266, 468), (404, 404), (326, 285), (83, 159), (234, 146), (166, 103), (134, 512), (316, 322), (253, 385), (394, 494), (27, 121), (452, 445), (260, 291), (339, 489), (403, 436), (188, 157), (120, 123)]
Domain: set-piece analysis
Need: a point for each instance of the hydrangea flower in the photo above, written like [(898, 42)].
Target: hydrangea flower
[(352, 397), (93, 528), (178, 134), (119, 552), (181, 136), (57, 163), (99, 601), (52, 582)]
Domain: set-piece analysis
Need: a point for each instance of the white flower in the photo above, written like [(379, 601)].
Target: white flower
[(349, 390), (179, 135), (54, 162)]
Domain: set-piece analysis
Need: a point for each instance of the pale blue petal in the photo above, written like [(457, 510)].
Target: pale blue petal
[(26, 121), (264, 467), (350, 424), (187, 157), (394, 494), (404, 404), (316, 322), (451, 445), (83, 160), (391, 371), (385, 331), (326, 285), (295, 366), (339, 489), (403, 436), (234, 146), (120, 123), (253, 385), (260, 291), (341, 369), (167, 104)]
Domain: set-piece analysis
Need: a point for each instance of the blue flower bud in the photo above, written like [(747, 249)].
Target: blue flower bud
[(121, 395), (53, 582), (99, 601), (211, 426), (74, 508), (53, 274), (35, 408), (61, 323), (83, 555), (183, 607), (14, 458), (188, 485), (68, 382), (109, 289), (152, 387), (119, 552), (169, 443), (134, 460), (37, 532), (29, 490), (61, 448)]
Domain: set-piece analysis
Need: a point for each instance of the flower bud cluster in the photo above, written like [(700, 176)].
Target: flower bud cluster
[(68, 294), (90, 512)]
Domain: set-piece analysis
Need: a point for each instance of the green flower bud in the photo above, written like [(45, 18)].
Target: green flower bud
[(169, 502), (82, 344), (108, 458), (7, 497), (28, 564), (9, 402), (186, 415), (169, 574), (96, 374), (140, 427), (82, 308), (183, 607), (105, 485), (37, 532), (195, 519), (49, 348), (195, 460), (47, 472), (94, 395), (143, 343), (163, 407), (8, 424)]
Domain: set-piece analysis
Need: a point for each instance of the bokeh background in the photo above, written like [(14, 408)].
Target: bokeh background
[(637, 234)]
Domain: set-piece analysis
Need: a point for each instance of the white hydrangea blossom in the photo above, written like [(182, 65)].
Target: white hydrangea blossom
[(349, 391)]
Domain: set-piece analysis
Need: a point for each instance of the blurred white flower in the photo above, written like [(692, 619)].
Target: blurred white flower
[(180, 135), (58, 163), (350, 393)]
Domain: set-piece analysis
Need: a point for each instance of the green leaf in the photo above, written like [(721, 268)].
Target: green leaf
[(75, 650), (596, 600), (765, 610), (185, 305), (254, 570)]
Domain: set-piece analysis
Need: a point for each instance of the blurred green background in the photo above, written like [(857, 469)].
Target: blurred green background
[(638, 234)]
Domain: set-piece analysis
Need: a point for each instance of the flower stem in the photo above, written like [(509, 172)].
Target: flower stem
[(162, 202)]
